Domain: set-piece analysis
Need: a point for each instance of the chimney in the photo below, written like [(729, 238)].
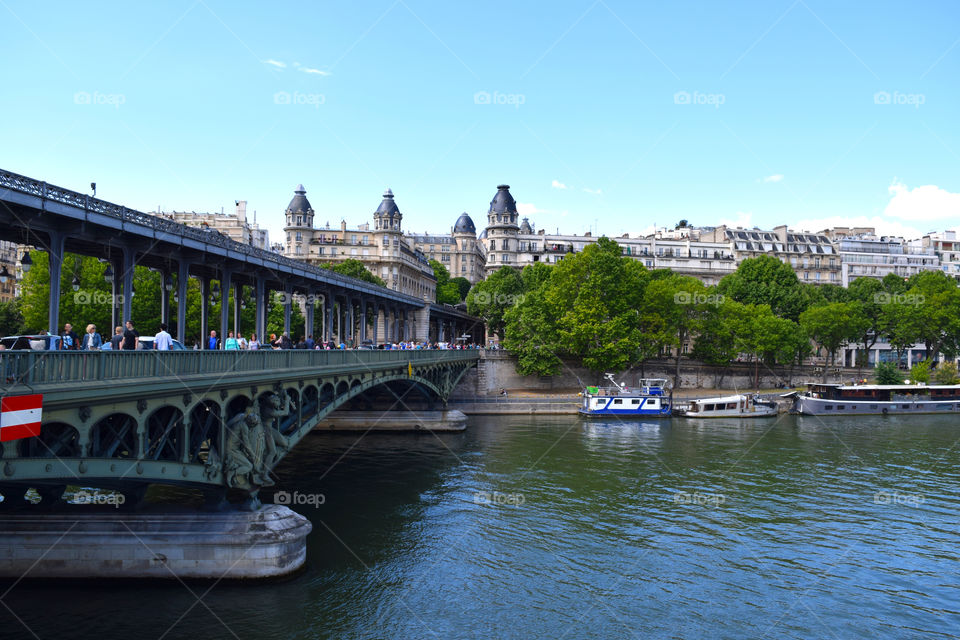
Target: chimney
[(781, 232), (241, 210)]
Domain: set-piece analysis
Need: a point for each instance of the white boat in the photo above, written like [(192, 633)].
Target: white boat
[(738, 406), (841, 399), (650, 398)]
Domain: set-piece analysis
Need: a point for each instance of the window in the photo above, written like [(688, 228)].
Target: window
[(320, 251), (353, 238), (618, 401), (635, 402), (299, 237), (299, 220), (493, 245), (841, 407)]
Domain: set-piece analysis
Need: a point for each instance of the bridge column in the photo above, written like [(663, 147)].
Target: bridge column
[(363, 319), (260, 325), (350, 321), (376, 323), (114, 296), (55, 253), (183, 277), (422, 332), (204, 311), (127, 275), (308, 315), (237, 299), (328, 315), (225, 287), (164, 299), (288, 301)]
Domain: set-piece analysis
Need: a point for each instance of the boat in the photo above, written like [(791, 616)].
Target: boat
[(822, 399), (650, 398), (738, 406)]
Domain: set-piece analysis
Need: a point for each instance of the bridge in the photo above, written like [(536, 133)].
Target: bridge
[(58, 220), (213, 421)]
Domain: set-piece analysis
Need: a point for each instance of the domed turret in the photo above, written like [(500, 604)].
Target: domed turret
[(464, 225), (501, 233), (299, 213), (503, 202), (525, 227), (388, 216)]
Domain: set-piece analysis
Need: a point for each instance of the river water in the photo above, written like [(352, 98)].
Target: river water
[(556, 527)]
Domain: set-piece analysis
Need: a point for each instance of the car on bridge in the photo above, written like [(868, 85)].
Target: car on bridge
[(147, 344), (31, 343)]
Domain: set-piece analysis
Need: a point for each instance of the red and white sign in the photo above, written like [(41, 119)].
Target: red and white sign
[(20, 416)]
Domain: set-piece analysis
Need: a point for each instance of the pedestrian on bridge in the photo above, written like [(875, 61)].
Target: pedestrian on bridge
[(212, 342), (117, 340), (68, 339), (163, 340), (254, 344), (231, 344), (91, 339), (131, 339)]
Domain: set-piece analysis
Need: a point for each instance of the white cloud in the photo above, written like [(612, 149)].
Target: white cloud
[(276, 63), (556, 184), (595, 192), (777, 177), (528, 209), (928, 202), (312, 70)]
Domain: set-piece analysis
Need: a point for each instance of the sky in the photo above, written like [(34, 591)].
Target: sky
[(608, 116)]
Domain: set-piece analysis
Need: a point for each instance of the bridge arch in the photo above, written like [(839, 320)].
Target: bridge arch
[(114, 436)]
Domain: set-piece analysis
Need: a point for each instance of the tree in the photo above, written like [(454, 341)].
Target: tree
[(831, 325), (595, 295), (946, 373), (902, 322), (716, 341), (868, 293), (491, 298), (888, 373), (531, 334), (447, 292), (920, 372), (355, 269), (463, 287), (671, 312), (11, 320), (766, 280), (937, 300)]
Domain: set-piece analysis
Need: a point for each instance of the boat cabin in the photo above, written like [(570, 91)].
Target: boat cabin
[(883, 392)]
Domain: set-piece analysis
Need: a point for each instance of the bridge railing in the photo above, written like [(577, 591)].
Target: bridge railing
[(58, 367)]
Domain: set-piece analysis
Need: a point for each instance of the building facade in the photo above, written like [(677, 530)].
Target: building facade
[(870, 256), (459, 251), (235, 226), (383, 249), (812, 255), (946, 247)]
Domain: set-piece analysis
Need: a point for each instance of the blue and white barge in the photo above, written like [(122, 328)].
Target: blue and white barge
[(650, 398)]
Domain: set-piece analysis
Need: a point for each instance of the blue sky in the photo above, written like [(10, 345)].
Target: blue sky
[(600, 114)]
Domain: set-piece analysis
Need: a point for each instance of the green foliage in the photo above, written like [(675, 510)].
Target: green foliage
[(355, 269), (946, 373), (11, 320), (920, 372), (766, 280), (831, 325), (463, 287), (888, 373), (448, 292), (491, 298)]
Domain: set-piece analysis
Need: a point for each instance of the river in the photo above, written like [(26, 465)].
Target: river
[(557, 527)]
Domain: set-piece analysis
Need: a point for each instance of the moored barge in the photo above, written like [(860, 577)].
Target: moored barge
[(839, 399)]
